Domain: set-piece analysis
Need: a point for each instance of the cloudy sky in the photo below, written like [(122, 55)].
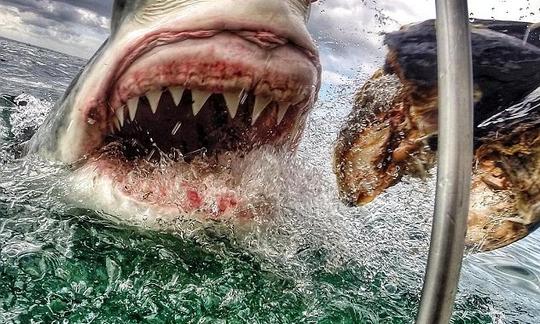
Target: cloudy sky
[(347, 31)]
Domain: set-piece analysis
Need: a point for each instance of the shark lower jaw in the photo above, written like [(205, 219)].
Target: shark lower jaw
[(171, 132), (158, 193)]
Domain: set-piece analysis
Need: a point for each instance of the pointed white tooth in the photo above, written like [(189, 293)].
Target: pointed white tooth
[(260, 103), (176, 93), (133, 104), (120, 115), (232, 99), (199, 99), (282, 110), (116, 123), (153, 98)]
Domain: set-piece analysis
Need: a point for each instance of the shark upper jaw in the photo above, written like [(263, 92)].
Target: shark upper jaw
[(194, 100), (141, 26), (235, 64)]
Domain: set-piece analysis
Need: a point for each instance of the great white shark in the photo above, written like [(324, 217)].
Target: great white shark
[(159, 121)]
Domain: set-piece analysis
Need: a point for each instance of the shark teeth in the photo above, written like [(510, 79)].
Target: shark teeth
[(116, 124), (153, 99), (199, 99), (232, 100), (120, 115), (176, 93), (261, 103), (282, 110), (132, 105), (235, 100)]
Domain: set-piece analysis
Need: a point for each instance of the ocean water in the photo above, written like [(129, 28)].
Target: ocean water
[(315, 261)]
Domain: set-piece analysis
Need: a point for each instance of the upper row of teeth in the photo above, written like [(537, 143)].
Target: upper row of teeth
[(199, 98)]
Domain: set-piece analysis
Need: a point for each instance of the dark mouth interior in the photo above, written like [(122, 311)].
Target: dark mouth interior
[(175, 131)]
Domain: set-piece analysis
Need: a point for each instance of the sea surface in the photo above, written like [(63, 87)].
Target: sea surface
[(317, 262)]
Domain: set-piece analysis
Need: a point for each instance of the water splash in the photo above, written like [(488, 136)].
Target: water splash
[(313, 260)]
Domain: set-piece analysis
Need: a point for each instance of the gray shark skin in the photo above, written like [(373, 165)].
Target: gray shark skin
[(181, 77)]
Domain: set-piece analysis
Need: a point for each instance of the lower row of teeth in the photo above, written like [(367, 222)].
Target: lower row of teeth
[(199, 98)]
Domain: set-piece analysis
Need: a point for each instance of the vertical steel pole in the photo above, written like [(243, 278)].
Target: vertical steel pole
[(454, 162)]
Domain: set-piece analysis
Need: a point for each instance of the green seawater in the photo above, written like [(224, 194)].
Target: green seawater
[(70, 266), (63, 264)]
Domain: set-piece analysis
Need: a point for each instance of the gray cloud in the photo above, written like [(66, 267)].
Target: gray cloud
[(101, 7), (64, 12), (76, 27), (349, 34)]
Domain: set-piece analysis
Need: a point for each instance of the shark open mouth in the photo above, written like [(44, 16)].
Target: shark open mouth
[(183, 123), (184, 113)]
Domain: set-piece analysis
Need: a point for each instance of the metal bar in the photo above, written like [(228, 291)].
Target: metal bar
[(454, 162)]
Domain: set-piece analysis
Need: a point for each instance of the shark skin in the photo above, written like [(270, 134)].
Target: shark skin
[(157, 126)]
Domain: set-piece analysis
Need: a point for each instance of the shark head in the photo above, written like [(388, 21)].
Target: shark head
[(178, 96)]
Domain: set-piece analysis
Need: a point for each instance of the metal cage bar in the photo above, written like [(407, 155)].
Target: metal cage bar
[(454, 162)]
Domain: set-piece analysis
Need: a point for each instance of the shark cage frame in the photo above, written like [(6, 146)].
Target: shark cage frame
[(455, 149)]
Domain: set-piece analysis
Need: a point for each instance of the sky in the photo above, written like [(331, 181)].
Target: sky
[(348, 32)]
